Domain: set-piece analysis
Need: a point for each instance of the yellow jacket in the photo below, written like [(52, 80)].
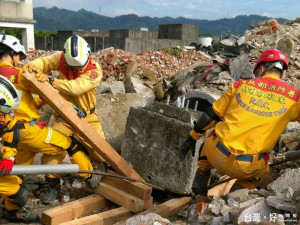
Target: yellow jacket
[(27, 110), (9, 120), (77, 88), (255, 112)]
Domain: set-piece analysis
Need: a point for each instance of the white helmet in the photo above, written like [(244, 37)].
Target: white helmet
[(77, 51), (9, 97), (12, 43)]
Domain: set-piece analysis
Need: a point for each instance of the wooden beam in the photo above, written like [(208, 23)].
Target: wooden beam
[(65, 110), (165, 209), (136, 189), (105, 218), (222, 189), (120, 197), (74, 209)]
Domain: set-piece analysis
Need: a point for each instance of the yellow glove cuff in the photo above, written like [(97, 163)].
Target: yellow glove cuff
[(56, 83), (196, 136)]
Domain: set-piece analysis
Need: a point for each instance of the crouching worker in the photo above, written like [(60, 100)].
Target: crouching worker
[(11, 190), (29, 136), (248, 120), (79, 77)]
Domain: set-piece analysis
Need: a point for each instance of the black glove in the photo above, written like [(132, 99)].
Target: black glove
[(4, 129), (188, 144)]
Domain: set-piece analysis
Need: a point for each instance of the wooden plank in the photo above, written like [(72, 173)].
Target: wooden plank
[(120, 197), (138, 190), (221, 189), (165, 209), (74, 209), (65, 110), (105, 218)]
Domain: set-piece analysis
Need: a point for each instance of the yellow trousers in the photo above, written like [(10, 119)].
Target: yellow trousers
[(9, 185), (48, 141), (248, 174), (62, 126)]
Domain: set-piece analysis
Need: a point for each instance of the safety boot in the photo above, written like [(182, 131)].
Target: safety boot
[(22, 216), (200, 183), (94, 180), (53, 190)]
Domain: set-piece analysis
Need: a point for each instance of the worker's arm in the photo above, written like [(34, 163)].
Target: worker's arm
[(80, 85), (45, 64), (208, 119)]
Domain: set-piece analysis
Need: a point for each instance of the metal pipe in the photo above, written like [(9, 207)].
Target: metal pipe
[(44, 169), (182, 103), (196, 106), (168, 99), (187, 104), (67, 169)]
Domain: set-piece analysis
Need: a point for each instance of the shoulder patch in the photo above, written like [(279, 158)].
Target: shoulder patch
[(93, 75)]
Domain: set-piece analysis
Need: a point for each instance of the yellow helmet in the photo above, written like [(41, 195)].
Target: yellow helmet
[(76, 51), (9, 96)]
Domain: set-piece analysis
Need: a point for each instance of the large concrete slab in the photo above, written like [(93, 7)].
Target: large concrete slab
[(152, 137)]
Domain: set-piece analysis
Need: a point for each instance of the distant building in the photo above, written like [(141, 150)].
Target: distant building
[(169, 35), (97, 40), (18, 14)]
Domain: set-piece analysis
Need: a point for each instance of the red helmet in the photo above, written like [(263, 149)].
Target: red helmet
[(272, 55)]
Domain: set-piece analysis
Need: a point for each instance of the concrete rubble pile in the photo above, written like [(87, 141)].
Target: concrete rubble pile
[(278, 203)]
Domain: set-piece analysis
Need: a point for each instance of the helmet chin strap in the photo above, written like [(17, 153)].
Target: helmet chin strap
[(12, 59)]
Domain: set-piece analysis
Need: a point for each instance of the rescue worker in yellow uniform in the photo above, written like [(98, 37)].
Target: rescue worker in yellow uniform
[(248, 120), (28, 135), (79, 76), (14, 195)]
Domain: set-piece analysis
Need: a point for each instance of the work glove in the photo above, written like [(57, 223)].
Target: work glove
[(31, 68), (186, 146), (80, 114), (6, 166), (38, 73), (4, 129), (41, 77)]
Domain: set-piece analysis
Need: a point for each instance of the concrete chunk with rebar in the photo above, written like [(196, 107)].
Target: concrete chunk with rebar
[(152, 137)]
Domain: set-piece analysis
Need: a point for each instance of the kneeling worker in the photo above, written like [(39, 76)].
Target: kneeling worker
[(248, 120)]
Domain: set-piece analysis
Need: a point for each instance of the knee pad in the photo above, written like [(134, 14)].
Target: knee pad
[(75, 147), (21, 197)]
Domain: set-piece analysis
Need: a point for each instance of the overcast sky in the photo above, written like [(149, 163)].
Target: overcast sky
[(194, 9)]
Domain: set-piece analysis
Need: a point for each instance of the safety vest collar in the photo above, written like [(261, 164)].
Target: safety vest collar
[(6, 64), (273, 76), (66, 70)]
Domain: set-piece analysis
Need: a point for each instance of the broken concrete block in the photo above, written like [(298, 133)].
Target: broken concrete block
[(281, 204), (117, 87), (103, 87), (290, 179), (113, 111), (216, 206), (217, 221), (151, 145), (238, 65), (250, 202), (239, 195), (135, 85), (287, 46), (149, 219)]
